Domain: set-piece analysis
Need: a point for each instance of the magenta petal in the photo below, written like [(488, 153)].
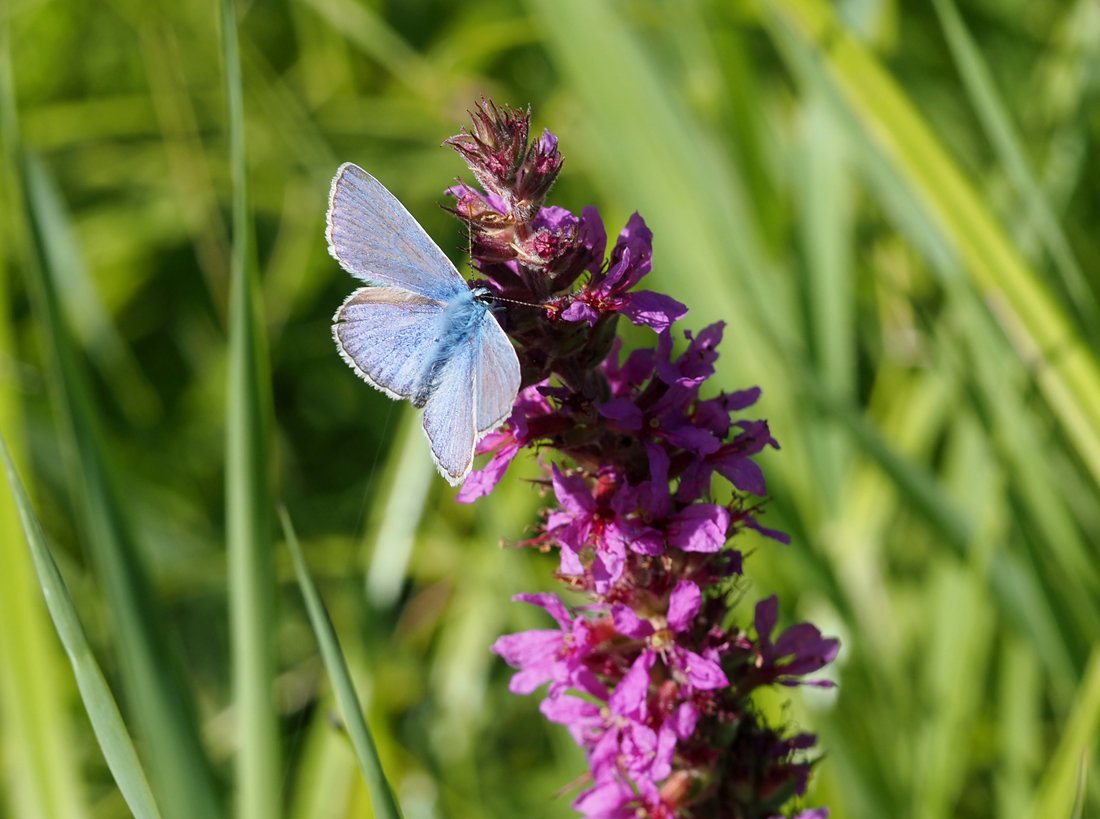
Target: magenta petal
[(798, 640), (617, 271), (700, 527), (572, 493), (593, 237), (742, 399), (684, 719), (629, 697), (767, 614), (574, 534), (702, 673), (555, 218), (638, 366), (666, 749), (644, 540), (582, 718), (603, 755), (624, 412), (742, 473), (639, 750), (695, 482), (579, 311), (654, 495), (629, 624), (567, 710), (683, 605), (648, 309), (584, 680), (534, 653), (699, 441), (606, 801), (478, 484), (570, 562), (528, 680), (607, 567), (635, 252), (551, 603), (528, 647)]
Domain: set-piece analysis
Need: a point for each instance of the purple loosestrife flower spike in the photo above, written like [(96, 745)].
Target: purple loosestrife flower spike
[(651, 673)]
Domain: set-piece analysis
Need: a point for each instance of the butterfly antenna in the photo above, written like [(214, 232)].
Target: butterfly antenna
[(470, 243), (517, 301)]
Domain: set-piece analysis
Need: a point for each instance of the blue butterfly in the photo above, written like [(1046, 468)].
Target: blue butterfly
[(418, 332)]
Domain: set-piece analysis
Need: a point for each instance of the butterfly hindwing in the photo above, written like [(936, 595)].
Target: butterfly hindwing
[(449, 412), (496, 376), (388, 335), (472, 393)]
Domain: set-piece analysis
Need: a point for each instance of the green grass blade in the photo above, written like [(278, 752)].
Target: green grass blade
[(110, 730), (395, 513), (1019, 727), (248, 499), (383, 802), (830, 303), (1066, 370), (1060, 790), (162, 709), (1010, 151), (1082, 780), (42, 775)]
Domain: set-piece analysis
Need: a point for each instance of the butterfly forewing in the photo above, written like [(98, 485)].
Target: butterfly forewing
[(387, 335), (375, 239)]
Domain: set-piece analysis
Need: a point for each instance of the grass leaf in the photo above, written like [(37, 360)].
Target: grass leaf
[(383, 802), (162, 708), (110, 730), (248, 499), (43, 779)]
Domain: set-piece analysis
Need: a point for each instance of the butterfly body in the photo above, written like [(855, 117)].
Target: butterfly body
[(419, 332), (460, 326)]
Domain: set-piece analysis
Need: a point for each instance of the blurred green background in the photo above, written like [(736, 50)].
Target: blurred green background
[(894, 207)]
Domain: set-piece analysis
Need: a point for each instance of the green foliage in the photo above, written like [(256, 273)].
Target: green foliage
[(889, 205)]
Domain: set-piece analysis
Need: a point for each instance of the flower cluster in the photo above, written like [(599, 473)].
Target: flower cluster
[(650, 673)]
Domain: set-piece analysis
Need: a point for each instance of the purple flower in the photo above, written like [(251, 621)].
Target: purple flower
[(733, 462), (696, 364), (799, 650), (553, 656), (598, 520), (651, 674), (618, 737), (691, 669), (607, 291)]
